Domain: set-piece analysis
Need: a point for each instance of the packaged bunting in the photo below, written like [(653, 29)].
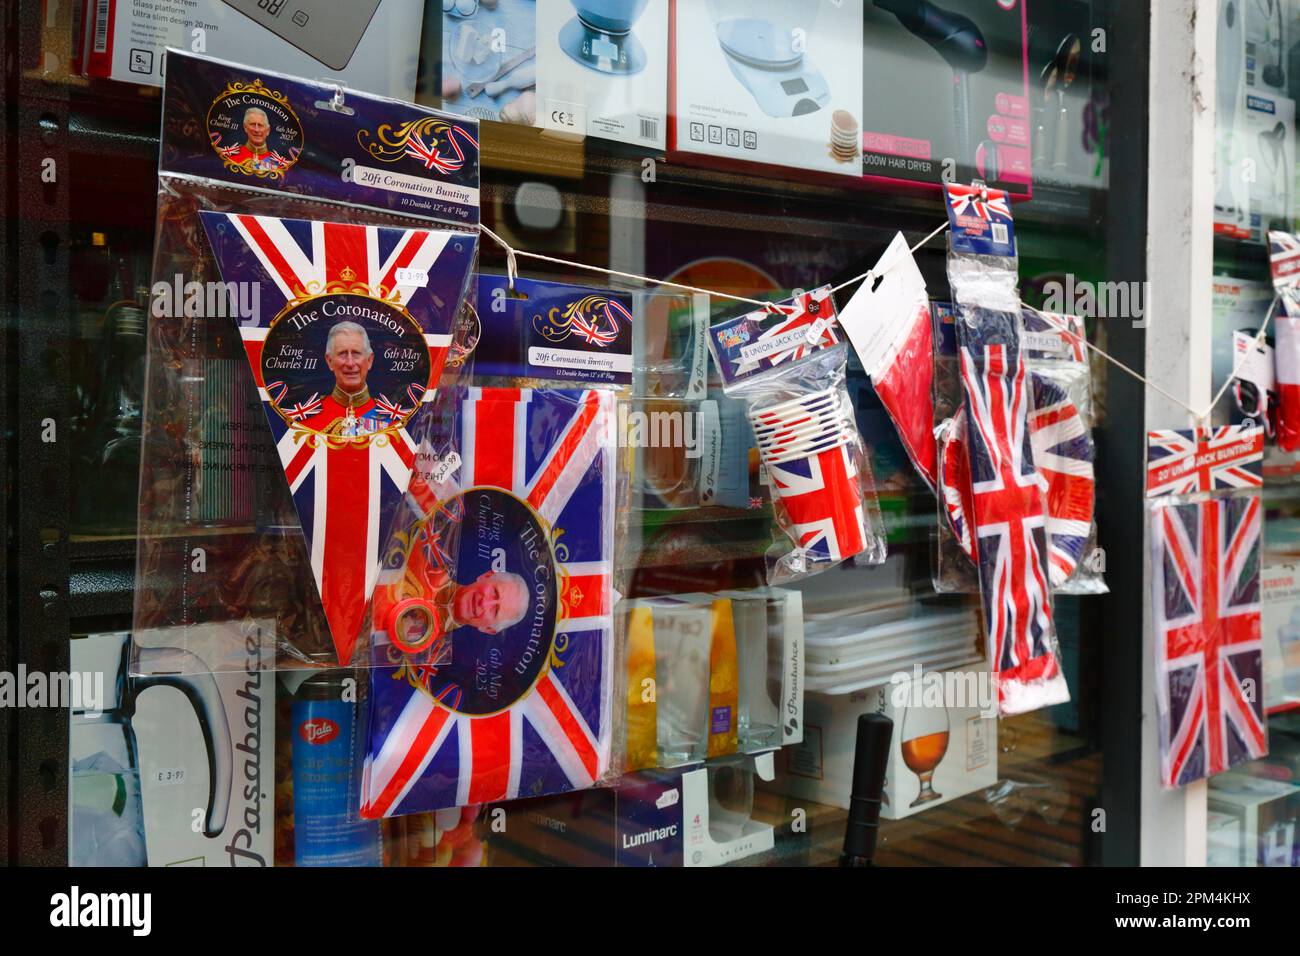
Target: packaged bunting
[(508, 548), (1008, 513), (1205, 566), (348, 341)]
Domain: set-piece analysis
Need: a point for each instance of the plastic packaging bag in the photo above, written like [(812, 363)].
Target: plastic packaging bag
[(236, 520), (1059, 429), (1008, 509), (521, 516), (1206, 516), (816, 465)]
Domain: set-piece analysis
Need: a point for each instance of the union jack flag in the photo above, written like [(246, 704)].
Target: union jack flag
[(990, 205), (1009, 521), (1206, 601), (591, 330), (1063, 454), (431, 157), (345, 495), (428, 747), (821, 497), (1204, 459)]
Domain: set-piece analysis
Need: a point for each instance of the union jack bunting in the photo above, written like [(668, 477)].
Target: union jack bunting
[(524, 708), (1182, 462), (1063, 454), (821, 498), (1206, 602), (1009, 520), (347, 466)]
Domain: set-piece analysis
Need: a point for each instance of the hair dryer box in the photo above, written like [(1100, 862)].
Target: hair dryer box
[(944, 743), (769, 82), (1280, 625), (694, 817), (370, 45), (945, 91)]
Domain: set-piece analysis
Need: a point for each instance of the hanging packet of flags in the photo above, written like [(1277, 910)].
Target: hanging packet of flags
[(347, 342), (507, 556), (1056, 355), (1206, 517), (1007, 506), (1284, 259)]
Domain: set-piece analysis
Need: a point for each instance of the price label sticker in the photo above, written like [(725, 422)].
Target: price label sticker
[(444, 469), (416, 277), (169, 776)]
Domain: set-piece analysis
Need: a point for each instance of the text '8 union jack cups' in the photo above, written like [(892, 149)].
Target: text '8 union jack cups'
[(352, 331), (509, 550)]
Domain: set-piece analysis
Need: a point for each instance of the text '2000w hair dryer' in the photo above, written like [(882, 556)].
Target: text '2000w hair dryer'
[(959, 41)]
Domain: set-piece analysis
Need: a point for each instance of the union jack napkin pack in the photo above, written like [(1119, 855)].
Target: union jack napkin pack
[(1206, 515), (520, 514), (348, 341), (1284, 248)]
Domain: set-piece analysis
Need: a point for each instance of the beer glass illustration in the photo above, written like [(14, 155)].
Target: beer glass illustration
[(925, 741)]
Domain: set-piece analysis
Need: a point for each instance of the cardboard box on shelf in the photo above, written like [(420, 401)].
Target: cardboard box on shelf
[(687, 817), (603, 70), (945, 92), (771, 82), (937, 753), (370, 45)]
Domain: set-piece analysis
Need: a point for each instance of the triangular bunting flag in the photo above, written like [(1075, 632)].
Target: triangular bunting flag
[(348, 340)]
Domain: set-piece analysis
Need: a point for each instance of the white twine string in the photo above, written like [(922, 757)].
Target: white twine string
[(1200, 417)]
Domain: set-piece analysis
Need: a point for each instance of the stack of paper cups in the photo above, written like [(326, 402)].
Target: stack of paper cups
[(807, 446)]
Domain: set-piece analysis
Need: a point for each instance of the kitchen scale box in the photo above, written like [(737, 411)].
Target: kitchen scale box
[(603, 69), (370, 45), (769, 82)]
